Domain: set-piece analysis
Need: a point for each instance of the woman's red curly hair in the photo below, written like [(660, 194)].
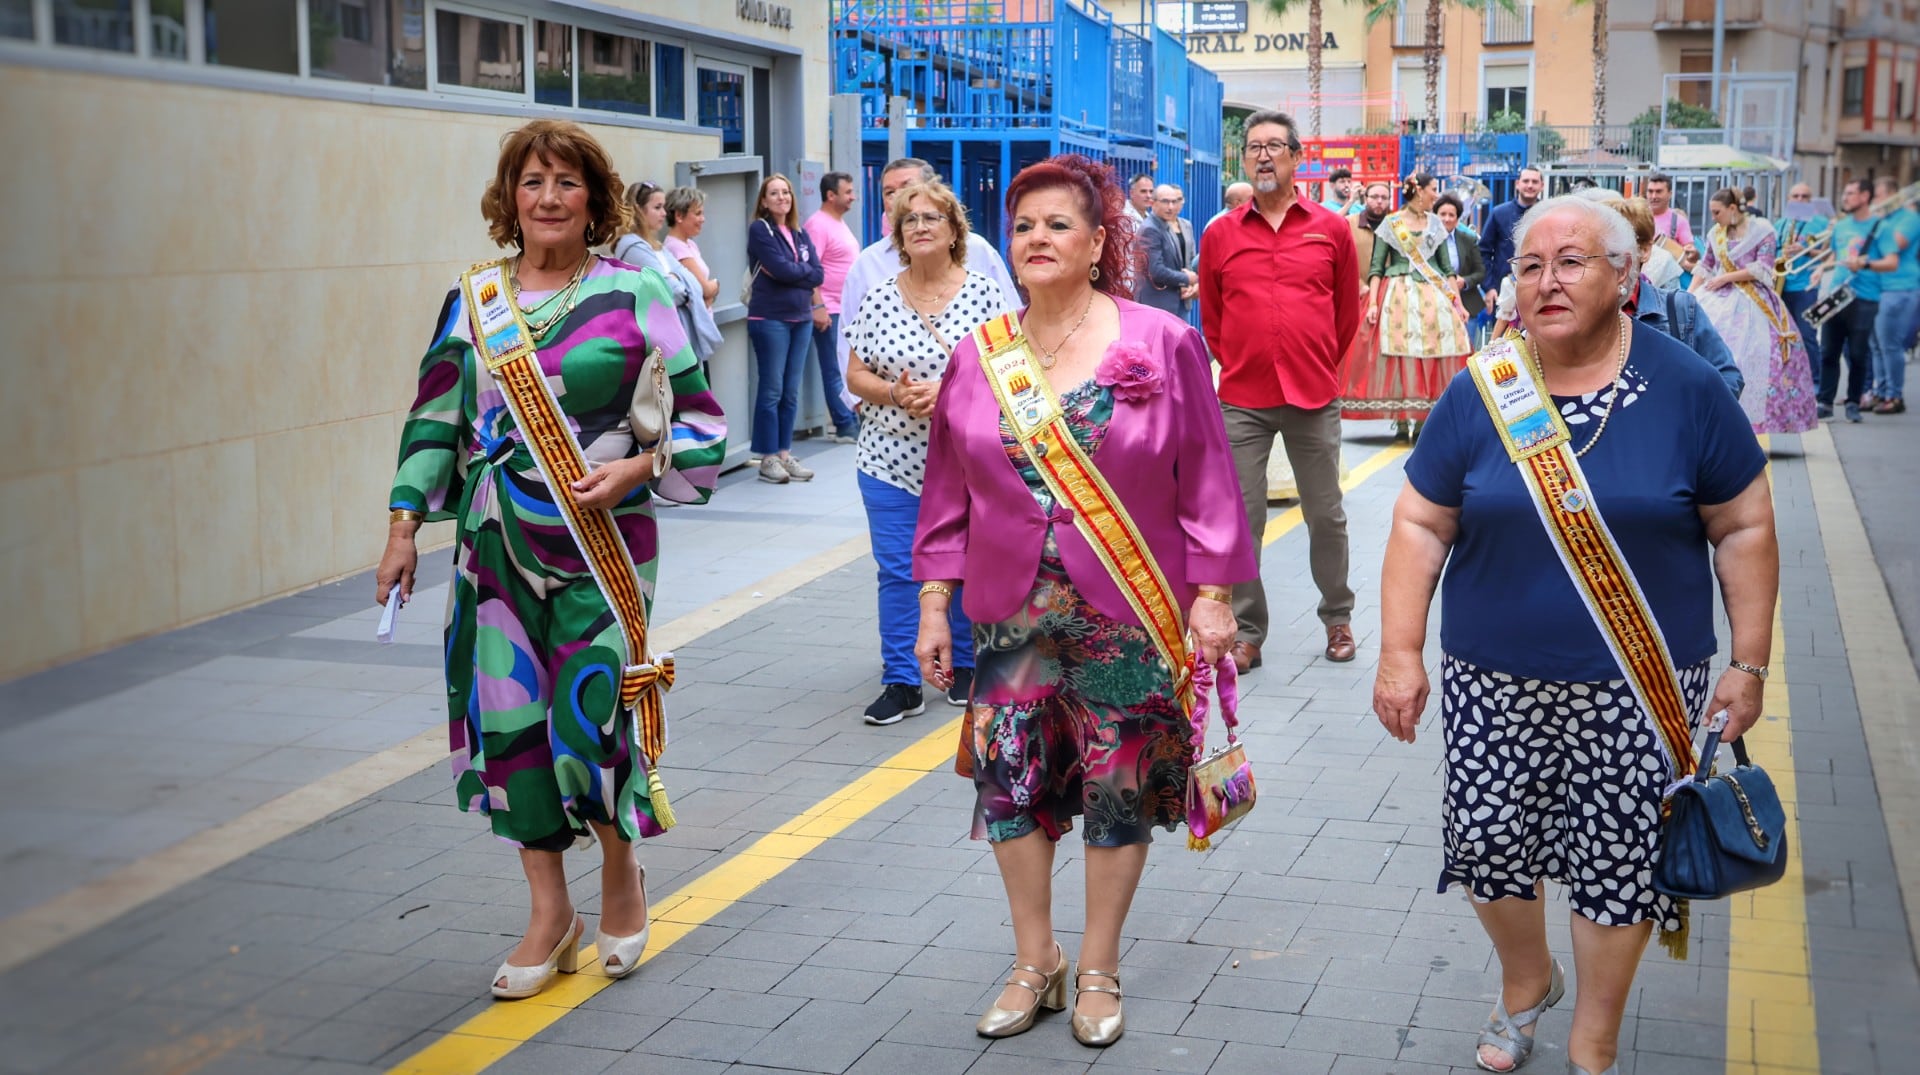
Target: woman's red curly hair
[(1102, 202)]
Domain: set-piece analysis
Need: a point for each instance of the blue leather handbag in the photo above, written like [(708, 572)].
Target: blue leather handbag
[(1724, 833)]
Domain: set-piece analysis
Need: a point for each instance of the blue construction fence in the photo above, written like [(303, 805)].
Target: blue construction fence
[(992, 88), (1484, 166)]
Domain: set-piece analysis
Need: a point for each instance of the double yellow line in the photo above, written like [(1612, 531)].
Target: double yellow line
[(492, 1034)]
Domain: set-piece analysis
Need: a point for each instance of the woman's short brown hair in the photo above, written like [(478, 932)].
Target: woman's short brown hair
[(943, 199), (554, 141), (1640, 215)]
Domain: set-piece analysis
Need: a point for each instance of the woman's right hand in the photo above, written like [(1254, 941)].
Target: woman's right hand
[(934, 647), (1400, 692), (1373, 316), (397, 564)]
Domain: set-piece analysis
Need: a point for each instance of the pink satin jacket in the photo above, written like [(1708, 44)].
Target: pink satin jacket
[(1166, 458)]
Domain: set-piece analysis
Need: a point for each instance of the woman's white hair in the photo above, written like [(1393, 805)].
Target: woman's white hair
[(1614, 230)]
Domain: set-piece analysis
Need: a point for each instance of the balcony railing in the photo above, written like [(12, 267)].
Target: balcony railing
[(1410, 25), (1679, 12), (1509, 27)]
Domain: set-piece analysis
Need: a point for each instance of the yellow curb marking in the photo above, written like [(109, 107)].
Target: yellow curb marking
[(1770, 1012), (489, 1036)]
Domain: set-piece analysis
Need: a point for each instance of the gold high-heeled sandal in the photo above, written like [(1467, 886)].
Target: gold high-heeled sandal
[(1051, 995), (1104, 1030)]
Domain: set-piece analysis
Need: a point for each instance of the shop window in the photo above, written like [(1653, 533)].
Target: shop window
[(353, 41), (723, 104), (1853, 92), (670, 79), (553, 64), (619, 75), (94, 24), (16, 19), (480, 53), (262, 35)]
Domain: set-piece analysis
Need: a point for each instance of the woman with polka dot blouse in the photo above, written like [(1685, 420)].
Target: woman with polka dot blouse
[(901, 338)]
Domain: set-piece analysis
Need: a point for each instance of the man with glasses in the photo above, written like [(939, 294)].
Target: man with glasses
[(1496, 243), (1278, 307), (1167, 282), (1798, 288)]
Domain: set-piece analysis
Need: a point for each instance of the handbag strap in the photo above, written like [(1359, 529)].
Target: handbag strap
[(1222, 678), (1712, 746)]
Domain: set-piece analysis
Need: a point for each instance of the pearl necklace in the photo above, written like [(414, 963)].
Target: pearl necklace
[(1619, 386)]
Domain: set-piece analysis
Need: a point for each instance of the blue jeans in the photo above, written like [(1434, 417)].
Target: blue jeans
[(892, 514), (1849, 332), (1897, 311), (1798, 302), (833, 380), (779, 357)]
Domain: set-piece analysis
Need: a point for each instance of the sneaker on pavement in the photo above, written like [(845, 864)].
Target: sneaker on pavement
[(897, 701), (1823, 410), (961, 692), (1853, 412), (846, 436), (772, 470), (795, 470)]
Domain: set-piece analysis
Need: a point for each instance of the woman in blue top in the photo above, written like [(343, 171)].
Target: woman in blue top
[(1552, 770), (784, 292)]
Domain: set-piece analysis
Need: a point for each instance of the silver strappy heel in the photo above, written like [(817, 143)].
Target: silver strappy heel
[(1503, 1031)]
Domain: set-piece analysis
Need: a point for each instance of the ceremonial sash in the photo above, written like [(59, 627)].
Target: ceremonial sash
[(1410, 246), (1782, 322), (1539, 444), (505, 345), (1039, 423)]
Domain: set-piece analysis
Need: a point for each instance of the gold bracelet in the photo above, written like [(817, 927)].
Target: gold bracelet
[(1225, 597), (405, 515), (936, 587)]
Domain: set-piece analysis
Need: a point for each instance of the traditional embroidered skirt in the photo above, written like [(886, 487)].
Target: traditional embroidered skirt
[(1555, 781), (1419, 344), (1076, 715)]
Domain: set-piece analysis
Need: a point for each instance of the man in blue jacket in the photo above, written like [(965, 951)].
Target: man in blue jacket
[(1168, 282), (1496, 243)]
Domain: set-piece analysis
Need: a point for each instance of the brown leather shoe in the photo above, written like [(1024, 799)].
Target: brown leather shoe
[(1891, 406), (1340, 645), (1246, 656)]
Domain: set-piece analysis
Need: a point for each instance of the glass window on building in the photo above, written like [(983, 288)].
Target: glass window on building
[(1506, 91), (1697, 92), (1853, 92), (553, 64), (94, 24), (670, 81), (351, 40), (616, 73), (480, 53), (167, 19), (723, 104), (407, 62), (16, 19), (262, 35)]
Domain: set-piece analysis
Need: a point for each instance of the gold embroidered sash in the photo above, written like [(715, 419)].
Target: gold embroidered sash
[(1539, 444), (1783, 324), (1039, 423), (505, 345), (1410, 246)]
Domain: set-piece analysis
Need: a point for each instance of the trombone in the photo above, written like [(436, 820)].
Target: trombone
[(1827, 256)]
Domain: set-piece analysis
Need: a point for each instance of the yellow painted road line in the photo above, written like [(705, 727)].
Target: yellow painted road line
[(492, 1034), (1770, 1014), (489, 1036)]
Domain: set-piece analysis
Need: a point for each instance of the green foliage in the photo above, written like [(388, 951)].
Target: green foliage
[(1548, 143), (1505, 121), (1679, 115), (323, 29)]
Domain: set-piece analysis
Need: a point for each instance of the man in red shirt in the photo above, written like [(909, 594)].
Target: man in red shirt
[(1278, 308)]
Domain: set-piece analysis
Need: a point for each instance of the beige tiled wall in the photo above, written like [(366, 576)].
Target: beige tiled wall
[(218, 301)]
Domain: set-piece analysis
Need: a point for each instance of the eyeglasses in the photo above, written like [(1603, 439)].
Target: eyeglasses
[(1566, 268), (1268, 149), (1800, 197), (916, 221)]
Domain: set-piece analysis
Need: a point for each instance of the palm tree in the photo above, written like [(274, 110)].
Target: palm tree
[(1431, 51), (1314, 38), (1599, 68)]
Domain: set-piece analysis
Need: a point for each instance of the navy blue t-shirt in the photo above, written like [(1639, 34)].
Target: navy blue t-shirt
[(1677, 440)]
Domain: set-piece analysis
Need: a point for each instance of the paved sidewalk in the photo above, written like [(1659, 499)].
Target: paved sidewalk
[(1309, 940)]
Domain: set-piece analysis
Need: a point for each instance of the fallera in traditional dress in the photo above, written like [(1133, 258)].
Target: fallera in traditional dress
[(1421, 340), (1759, 330), (534, 654)]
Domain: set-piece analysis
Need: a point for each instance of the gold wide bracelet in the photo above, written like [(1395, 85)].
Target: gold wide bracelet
[(405, 515), (1225, 597), (936, 587)]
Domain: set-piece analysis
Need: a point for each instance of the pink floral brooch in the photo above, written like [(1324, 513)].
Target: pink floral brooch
[(1131, 370)]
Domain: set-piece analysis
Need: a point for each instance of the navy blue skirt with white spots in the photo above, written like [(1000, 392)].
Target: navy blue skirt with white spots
[(1556, 781)]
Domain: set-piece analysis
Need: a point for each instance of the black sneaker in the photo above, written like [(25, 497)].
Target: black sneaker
[(1823, 410), (897, 701), (961, 692)]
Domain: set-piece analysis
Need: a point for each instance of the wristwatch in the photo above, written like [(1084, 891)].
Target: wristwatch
[(1752, 670)]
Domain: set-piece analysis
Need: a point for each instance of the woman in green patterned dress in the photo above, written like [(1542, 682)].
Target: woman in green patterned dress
[(534, 655)]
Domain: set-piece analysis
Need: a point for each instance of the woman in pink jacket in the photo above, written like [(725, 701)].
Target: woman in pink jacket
[(1073, 711)]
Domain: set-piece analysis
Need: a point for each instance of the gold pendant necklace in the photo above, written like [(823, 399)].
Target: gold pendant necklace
[(566, 297), (1047, 356)]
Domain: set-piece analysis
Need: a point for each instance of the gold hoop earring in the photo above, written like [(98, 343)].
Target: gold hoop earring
[(590, 231), (1093, 273)]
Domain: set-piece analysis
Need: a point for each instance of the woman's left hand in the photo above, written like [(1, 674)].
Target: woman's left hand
[(1213, 627), (920, 397), (1739, 693), (610, 483)]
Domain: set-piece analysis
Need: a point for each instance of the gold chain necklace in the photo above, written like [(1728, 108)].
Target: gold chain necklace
[(1619, 386), (1046, 356), (941, 292), (567, 297)]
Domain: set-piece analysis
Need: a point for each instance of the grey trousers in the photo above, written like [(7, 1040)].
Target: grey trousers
[(1312, 438)]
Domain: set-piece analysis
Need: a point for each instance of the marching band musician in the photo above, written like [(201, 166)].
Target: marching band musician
[(1899, 300), (1864, 249), (1799, 287)]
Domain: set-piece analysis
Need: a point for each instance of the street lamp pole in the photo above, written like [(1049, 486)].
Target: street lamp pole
[(1719, 51)]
